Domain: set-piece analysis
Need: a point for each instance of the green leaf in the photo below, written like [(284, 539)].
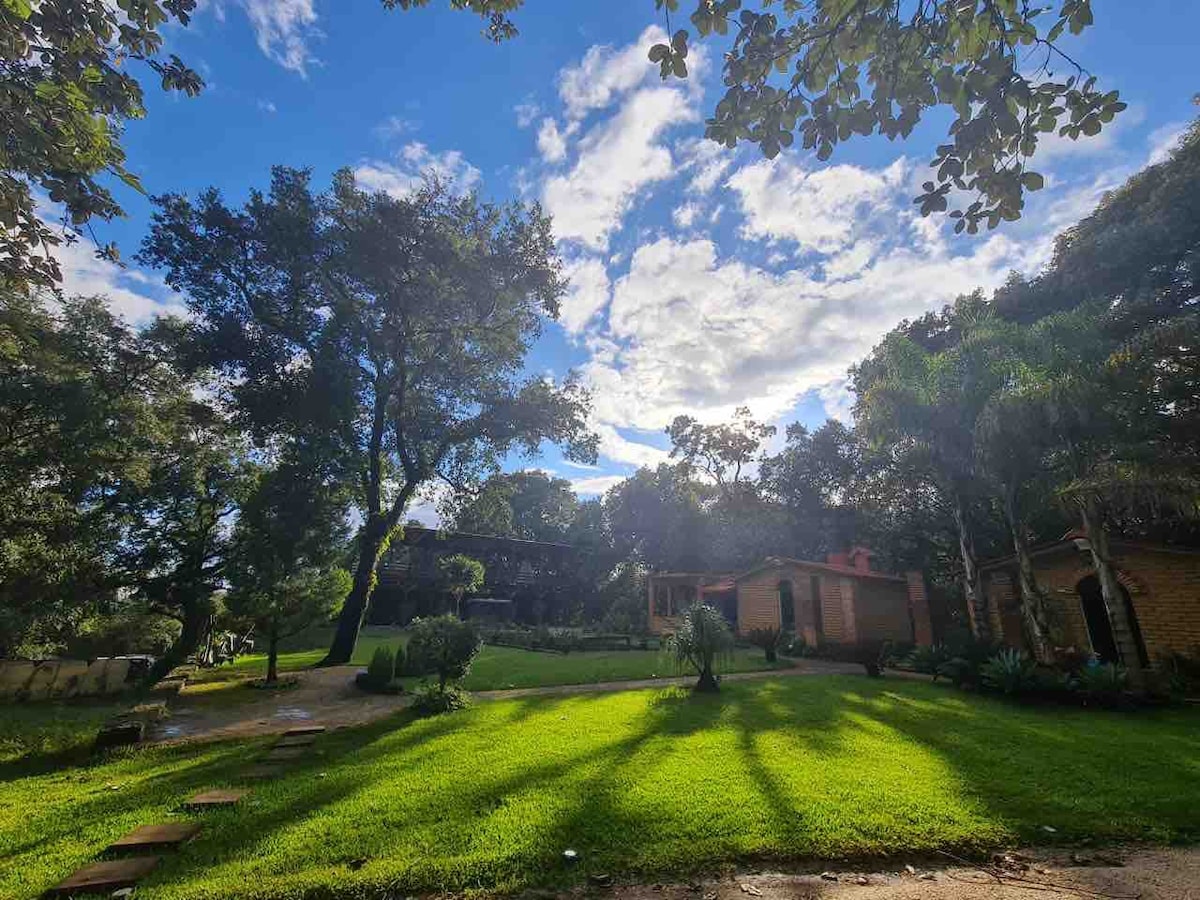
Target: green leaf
[(22, 9), (1032, 181)]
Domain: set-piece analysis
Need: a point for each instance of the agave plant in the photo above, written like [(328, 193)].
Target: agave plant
[(1010, 672)]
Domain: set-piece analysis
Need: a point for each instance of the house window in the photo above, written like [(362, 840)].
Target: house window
[(787, 607), (662, 600)]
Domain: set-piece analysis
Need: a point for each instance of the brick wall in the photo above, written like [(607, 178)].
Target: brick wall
[(882, 612), (1163, 586)]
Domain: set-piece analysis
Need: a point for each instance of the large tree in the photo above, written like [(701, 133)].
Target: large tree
[(83, 400), (827, 70), (395, 326), (289, 543), (529, 505), (66, 88)]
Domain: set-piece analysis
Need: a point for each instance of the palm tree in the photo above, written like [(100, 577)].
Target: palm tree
[(925, 406), (703, 640)]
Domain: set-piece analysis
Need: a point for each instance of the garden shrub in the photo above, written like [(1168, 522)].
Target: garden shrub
[(768, 640), (930, 659), (1011, 672), (380, 677), (444, 646), (431, 700), (1103, 684), (796, 647), (1182, 673)]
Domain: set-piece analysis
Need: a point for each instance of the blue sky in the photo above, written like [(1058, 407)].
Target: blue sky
[(703, 279)]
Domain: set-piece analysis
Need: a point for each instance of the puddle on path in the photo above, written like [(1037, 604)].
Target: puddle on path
[(293, 714)]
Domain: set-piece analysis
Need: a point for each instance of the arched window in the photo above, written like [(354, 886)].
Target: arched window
[(787, 607)]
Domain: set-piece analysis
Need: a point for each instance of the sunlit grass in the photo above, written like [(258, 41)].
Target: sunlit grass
[(651, 782), (496, 668)]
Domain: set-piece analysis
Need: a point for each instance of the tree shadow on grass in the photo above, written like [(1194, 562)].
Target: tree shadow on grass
[(1085, 773)]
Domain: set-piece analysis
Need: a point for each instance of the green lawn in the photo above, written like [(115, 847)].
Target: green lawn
[(496, 668), (652, 783)]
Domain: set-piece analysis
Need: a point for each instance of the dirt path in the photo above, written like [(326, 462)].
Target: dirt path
[(1113, 874), (328, 697)]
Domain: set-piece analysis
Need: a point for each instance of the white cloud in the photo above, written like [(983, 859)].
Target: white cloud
[(587, 294), (393, 127), (134, 295), (1163, 141), (618, 159), (605, 73), (283, 29), (404, 175), (838, 400), (616, 447), (707, 161), (691, 332), (527, 113), (551, 143), (685, 216), (819, 210), (267, 106), (593, 487)]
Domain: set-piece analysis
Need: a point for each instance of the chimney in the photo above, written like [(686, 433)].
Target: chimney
[(860, 558), (838, 559)]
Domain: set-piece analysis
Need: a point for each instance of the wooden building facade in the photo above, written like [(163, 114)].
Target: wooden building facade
[(840, 601)]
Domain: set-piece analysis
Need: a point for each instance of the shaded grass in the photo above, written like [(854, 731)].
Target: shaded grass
[(650, 783), (53, 727), (496, 668)]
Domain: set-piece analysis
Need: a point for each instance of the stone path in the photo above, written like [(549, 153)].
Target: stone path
[(106, 876)]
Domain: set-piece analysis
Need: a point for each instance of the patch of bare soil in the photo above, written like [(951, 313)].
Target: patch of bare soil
[(318, 697), (1043, 874)]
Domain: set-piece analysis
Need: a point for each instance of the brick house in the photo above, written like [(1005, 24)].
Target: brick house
[(1161, 593), (840, 601)]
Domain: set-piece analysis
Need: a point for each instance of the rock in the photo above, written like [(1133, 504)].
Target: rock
[(829, 876), (122, 733), (910, 870), (750, 889), (1049, 829), (570, 856), (862, 879), (927, 876), (603, 880)]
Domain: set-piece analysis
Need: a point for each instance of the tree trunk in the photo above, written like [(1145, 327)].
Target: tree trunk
[(1033, 602), (195, 617), (981, 626), (354, 610), (1110, 587), (273, 654), (708, 682)]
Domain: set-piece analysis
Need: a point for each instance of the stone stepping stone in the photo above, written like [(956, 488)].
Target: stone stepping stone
[(304, 729), (262, 773), (216, 799), (157, 837), (105, 877), (296, 740), (285, 754)]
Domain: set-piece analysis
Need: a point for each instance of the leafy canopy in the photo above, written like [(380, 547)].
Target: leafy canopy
[(827, 70), (393, 331), (65, 91)]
